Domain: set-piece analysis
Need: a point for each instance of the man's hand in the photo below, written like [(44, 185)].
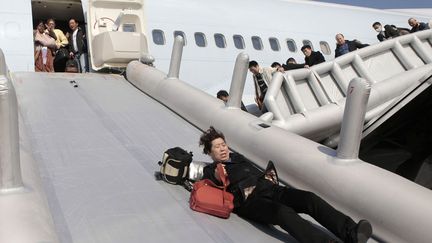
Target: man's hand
[(271, 176)]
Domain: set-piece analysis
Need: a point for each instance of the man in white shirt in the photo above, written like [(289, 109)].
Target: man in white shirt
[(77, 45), (262, 77)]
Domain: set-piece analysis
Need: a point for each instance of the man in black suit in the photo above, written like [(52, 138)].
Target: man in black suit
[(78, 45), (312, 57)]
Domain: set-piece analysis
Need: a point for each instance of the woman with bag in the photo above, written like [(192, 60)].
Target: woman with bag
[(44, 49), (259, 197)]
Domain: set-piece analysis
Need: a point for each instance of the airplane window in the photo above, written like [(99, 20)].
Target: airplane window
[(325, 47), (239, 41), (292, 47), (158, 37), (129, 28), (274, 44), (220, 40), (180, 33), (308, 42), (257, 43), (200, 39)]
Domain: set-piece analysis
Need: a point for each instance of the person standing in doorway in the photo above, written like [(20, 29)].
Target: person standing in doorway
[(44, 46), (77, 45), (61, 52)]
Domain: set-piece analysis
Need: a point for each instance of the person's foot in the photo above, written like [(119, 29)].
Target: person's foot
[(362, 231)]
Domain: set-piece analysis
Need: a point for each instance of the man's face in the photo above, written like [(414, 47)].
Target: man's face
[(254, 70), (307, 52), (412, 22), (51, 25), (340, 39), (377, 27), (224, 98), (73, 24), (219, 150), (41, 27)]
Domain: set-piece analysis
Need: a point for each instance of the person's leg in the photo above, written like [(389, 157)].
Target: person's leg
[(267, 211), (83, 62), (77, 59), (309, 203)]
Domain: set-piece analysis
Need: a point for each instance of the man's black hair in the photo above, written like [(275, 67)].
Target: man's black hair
[(376, 23), (253, 64), (306, 47), (290, 59), (49, 20), (221, 93), (76, 21), (37, 23), (207, 137), (275, 64)]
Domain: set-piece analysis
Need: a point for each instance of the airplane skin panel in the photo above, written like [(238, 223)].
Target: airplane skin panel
[(425, 12), (16, 34)]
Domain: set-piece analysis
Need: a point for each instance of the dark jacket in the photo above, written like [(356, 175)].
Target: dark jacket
[(291, 66), (352, 46), (420, 26), (241, 174), (315, 58), (390, 31), (80, 40)]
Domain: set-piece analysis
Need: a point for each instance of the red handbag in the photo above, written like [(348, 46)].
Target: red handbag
[(206, 197)]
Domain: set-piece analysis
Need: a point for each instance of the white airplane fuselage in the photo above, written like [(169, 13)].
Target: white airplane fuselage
[(210, 67)]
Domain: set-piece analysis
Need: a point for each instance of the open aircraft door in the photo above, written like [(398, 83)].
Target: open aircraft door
[(116, 32)]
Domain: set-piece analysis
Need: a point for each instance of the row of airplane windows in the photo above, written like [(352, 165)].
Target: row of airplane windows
[(239, 43)]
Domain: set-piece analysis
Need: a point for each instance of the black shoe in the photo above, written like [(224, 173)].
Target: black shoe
[(362, 231)]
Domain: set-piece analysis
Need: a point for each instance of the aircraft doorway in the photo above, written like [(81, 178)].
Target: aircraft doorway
[(61, 11)]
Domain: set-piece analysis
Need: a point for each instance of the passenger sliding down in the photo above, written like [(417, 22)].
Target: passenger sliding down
[(259, 197)]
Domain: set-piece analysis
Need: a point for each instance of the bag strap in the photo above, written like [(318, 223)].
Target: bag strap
[(224, 180), (176, 163)]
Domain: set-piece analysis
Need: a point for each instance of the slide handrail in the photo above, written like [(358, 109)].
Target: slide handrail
[(391, 66), (10, 169)]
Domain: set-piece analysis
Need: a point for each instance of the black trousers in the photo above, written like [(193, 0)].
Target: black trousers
[(278, 205)]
